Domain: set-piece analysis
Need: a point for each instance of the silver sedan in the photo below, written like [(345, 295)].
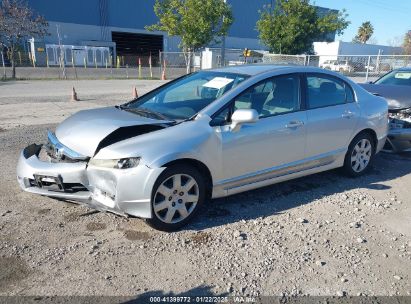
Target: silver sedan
[(206, 135)]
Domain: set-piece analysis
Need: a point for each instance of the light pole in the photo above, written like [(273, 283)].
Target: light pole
[(223, 45)]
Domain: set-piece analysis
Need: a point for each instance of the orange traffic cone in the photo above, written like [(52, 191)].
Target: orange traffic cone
[(135, 95), (74, 95), (163, 75)]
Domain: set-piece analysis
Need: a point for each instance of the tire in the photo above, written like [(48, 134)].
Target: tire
[(360, 155), (173, 205)]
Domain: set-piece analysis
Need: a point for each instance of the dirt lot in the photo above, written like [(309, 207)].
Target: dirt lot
[(319, 235)]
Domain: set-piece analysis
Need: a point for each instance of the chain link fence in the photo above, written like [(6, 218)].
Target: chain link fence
[(360, 68), (22, 59), (67, 67), (282, 59), (176, 64)]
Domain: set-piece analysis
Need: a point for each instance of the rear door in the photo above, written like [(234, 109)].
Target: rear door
[(332, 114)]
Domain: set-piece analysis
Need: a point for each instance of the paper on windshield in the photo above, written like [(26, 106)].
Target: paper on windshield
[(218, 82), (403, 75)]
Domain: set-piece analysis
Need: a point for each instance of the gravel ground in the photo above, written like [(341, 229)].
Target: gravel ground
[(320, 235)]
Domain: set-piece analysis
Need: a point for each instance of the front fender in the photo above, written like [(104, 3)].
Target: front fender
[(193, 140)]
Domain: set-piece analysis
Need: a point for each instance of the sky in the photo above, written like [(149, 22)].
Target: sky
[(391, 18)]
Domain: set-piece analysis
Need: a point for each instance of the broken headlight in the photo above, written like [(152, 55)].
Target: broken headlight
[(400, 119), (123, 163)]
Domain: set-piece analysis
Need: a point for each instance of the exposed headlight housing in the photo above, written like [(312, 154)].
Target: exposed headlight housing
[(400, 119), (123, 163)]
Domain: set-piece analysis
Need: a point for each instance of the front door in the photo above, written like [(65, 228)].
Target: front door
[(260, 150)]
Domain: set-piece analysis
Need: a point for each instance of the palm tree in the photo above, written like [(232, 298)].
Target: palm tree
[(364, 33)]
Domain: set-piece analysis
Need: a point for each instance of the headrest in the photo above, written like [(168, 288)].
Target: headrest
[(284, 86), (328, 87)]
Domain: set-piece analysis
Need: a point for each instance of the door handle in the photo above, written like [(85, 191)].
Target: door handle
[(294, 124), (347, 114)]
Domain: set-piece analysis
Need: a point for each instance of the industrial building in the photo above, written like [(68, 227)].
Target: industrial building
[(96, 31), (341, 48)]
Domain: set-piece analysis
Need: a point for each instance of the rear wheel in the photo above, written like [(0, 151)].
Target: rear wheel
[(359, 155), (177, 195)]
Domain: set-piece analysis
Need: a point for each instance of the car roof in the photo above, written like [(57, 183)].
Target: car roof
[(408, 69), (254, 69)]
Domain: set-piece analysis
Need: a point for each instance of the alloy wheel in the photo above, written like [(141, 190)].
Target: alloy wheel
[(176, 198), (361, 155)]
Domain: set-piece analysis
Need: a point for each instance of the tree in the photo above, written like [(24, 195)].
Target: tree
[(292, 26), (407, 43), (18, 22), (364, 33), (197, 22)]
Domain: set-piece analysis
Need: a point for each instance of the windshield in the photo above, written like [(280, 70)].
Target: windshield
[(184, 97), (396, 78)]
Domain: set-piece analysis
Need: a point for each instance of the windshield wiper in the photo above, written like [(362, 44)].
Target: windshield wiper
[(147, 112)]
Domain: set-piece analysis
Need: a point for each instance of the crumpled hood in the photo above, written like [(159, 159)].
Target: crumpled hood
[(397, 96), (83, 131)]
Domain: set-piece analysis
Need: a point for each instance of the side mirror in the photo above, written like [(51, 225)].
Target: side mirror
[(242, 116)]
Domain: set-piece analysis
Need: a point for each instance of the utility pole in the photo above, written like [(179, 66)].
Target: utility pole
[(377, 65), (62, 63), (4, 64)]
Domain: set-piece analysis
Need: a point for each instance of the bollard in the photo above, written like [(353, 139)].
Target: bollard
[(139, 67), (150, 65), (163, 75)]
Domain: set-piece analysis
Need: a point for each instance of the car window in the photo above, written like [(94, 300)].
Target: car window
[(184, 97), (273, 96), (396, 78), (192, 91), (323, 91), (222, 118), (349, 95)]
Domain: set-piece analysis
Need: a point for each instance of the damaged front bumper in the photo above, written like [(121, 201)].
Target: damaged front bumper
[(399, 134), (124, 192)]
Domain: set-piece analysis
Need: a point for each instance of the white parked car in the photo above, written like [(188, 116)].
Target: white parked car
[(342, 66), (206, 135)]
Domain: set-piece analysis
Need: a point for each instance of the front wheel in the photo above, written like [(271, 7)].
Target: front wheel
[(177, 195), (359, 155)]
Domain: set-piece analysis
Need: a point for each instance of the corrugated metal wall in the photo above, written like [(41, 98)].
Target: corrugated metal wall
[(82, 21), (136, 14)]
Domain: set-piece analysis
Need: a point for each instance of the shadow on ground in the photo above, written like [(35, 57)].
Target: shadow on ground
[(280, 197), (262, 202)]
